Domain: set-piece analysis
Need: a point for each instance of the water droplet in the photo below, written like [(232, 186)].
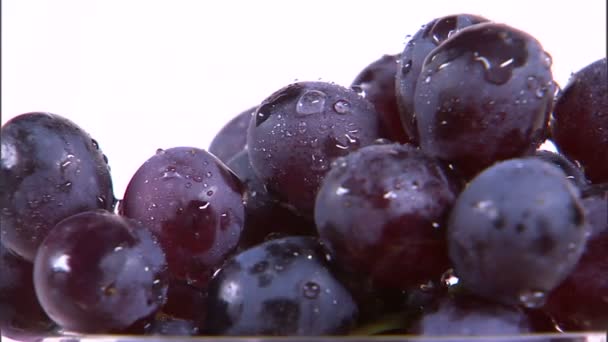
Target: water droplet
[(197, 179), (341, 191), (209, 174), (188, 185), (342, 107), (302, 127), (488, 208), (390, 195), (435, 225), (260, 267), (160, 151), (95, 144), (204, 205), (407, 66), (210, 193), (548, 60), (532, 299), (64, 164), (65, 187), (311, 102), (311, 290), (449, 278), (101, 201), (427, 79)]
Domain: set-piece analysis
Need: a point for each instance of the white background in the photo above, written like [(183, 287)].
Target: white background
[(139, 75)]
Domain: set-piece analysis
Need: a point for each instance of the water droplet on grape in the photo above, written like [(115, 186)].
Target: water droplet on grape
[(532, 299), (311, 290), (342, 107), (311, 102), (407, 66)]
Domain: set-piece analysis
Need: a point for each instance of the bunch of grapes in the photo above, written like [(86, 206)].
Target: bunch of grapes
[(414, 201)]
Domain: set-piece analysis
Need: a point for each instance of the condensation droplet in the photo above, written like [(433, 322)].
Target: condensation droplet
[(311, 290), (532, 299), (342, 107), (311, 102)]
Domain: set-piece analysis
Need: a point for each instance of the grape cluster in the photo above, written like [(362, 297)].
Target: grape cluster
[(414, 201)]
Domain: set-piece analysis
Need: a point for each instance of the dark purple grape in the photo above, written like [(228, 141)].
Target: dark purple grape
[(281, 287), (232, 138), (516, 232), (50, 169), (572, 171), (265, 217), (419, 46), (299, 130), (581, 301), (580, 120), (381, 211), (484, 95), (377, 82), (193, 204), (97, 272), (470, 316), (19, 307)]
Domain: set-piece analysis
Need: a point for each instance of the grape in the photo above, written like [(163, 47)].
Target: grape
[(580, 124), (97, 272), (377, 82), (193, 204), (50, 169), (581, 301), (232, 138), (516, 232), (484, 95), (381, 210), (469, 316), (419, 46), (265, 217), (299, 130), (573, 172), (281, 287), (19, 308)]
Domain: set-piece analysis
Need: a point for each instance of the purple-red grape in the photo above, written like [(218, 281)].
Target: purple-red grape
[(381, 211), (296, 133), (516, 232), (484, 95), (50, 169), (581, 301), (580, 120), (232, 138), (97, 272), (377, 83), (193, 204), (411, 61)]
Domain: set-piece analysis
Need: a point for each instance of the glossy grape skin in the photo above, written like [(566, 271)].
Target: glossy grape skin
[(377, 82), (19, 307), (581, 301), (573, 172), (193, 204), (516, 232), (381, 209), (297, 131), (97, 272), (418, 47), (50, 169), (265, 217), (281, 287), (232, 138), (484, 95), (580, 120), (470, 316)]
